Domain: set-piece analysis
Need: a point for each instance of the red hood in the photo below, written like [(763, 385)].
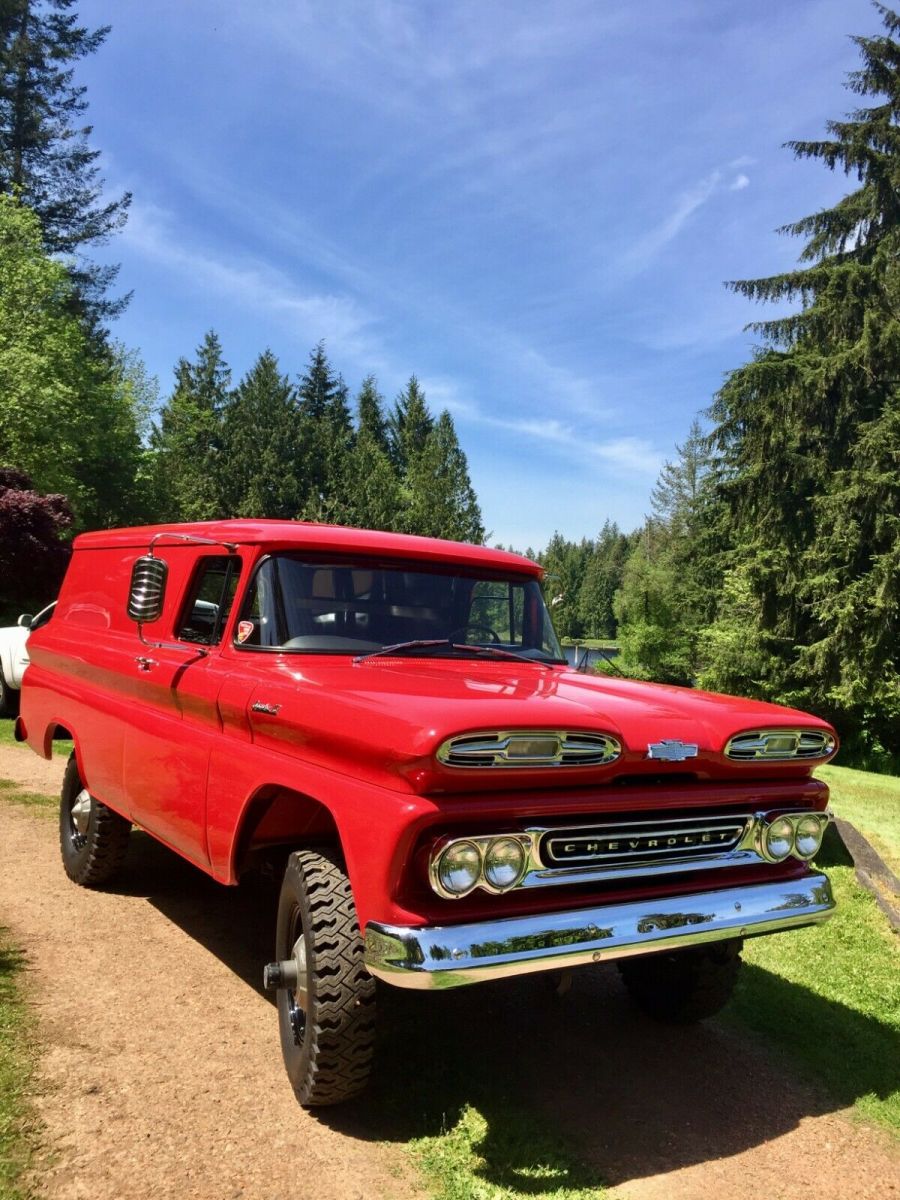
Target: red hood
[(399, 711)]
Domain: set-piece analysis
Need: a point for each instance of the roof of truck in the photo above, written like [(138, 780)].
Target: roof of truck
[(310, 535)]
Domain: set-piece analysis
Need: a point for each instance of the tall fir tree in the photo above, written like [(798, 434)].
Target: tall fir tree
[(370, 416), (375, 484), (46, 160), (188, 441), (323, 407), (260, 444), (441, 501), (409, 425), (810, 433), (602, 579)]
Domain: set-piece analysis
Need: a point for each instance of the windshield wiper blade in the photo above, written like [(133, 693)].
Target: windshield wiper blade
[(400, 647), (499, 652)]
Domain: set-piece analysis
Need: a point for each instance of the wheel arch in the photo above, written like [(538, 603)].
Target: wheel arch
[(277, 818)]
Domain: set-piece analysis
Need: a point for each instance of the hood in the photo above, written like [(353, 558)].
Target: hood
[(394, 714)]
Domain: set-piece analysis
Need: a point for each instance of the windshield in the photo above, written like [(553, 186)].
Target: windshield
[(355, 608)]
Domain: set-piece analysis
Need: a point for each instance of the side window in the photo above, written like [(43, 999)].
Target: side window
[(210, 600), (259, 623)]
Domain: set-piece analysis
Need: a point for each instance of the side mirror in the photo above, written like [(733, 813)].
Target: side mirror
[(148, 589), (25, 620)]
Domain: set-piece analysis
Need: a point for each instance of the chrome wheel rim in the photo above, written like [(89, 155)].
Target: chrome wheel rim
[(298, 997), (80, 815)]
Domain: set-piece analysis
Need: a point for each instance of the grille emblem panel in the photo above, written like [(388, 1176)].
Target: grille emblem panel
[(672, 750)]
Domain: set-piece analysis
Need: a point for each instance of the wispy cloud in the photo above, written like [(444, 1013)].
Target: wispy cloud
[(740, 183), (251, 284)]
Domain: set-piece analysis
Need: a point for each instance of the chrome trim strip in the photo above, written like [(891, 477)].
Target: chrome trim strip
[(496, 748), (453, 955)]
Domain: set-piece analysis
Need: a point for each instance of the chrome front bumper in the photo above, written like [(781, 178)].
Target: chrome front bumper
[(450, 955)]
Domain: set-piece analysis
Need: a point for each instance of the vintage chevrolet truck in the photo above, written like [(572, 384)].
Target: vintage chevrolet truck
[(389, 722)]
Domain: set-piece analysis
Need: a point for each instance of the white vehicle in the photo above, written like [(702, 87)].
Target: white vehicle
[(14, 657)]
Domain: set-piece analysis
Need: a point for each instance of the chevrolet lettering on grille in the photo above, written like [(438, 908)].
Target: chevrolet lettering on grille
[(643, 841)]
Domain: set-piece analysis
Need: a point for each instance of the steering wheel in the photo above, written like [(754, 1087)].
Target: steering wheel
[(461, 634)]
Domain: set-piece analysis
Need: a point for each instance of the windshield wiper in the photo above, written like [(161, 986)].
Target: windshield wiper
[(401, 647), (446, 644), (499, 652)]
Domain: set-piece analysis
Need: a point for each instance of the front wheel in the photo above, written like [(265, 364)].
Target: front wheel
[(686, 985), (327, 1017), (93, 839)]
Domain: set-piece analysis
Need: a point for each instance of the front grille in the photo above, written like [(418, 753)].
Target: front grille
[(633, 842), (529, 748), (779, 745)]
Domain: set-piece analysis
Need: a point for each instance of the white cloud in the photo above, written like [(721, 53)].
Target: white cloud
[(252, 284), (648, 247), (740, 183)]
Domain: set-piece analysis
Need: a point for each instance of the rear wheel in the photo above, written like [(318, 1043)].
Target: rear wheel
[(93, 839), (686, 985), (327, 1018)]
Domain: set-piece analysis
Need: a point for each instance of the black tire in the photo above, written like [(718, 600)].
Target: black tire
[(93, 839), (9, 698), (686, 985), (327, 1038)]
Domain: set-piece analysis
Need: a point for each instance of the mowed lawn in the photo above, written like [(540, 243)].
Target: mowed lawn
[(872, 804)]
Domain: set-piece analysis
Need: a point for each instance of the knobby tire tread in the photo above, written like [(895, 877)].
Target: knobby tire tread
[(102, 857), (340, 1031)]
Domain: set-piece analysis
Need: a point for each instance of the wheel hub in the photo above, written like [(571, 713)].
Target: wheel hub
[(81, 812), (298, 995)]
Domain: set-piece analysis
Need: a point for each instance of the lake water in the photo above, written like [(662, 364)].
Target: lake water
[(575, 654)]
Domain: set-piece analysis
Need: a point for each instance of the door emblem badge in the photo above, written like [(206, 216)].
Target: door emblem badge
[(672, 750), (271, 709)]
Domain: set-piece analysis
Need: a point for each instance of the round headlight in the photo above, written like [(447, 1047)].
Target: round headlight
[(779, 839), (459, 868), (808, 837), (504, 863)]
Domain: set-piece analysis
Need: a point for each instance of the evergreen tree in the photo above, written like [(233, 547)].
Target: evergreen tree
[(374, 484), (602, 579), (566, 564), (190, 480), (323, 410), (260, 444), (370, 416), (441, 500), (409, 425), (45, 157), (377, 501), (810, 432)]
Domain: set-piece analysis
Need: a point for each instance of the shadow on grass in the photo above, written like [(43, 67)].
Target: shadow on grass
[(634, 1098)]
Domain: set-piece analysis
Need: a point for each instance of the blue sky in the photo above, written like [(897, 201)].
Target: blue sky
[(531, 206)]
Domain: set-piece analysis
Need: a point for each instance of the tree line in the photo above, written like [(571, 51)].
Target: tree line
[(276, 448)]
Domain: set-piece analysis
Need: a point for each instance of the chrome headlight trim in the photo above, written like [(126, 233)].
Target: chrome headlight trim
[(780, 745), (529, 748)]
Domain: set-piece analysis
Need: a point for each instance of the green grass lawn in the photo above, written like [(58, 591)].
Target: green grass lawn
[(871, 803), (15, 1072)]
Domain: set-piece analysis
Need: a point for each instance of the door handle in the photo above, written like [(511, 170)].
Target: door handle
[(144, 663)]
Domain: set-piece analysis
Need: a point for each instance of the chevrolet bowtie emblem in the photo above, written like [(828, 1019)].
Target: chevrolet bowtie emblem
[(672, 750)]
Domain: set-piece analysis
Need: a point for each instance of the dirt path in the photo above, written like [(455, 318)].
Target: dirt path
[(162, 1076)]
